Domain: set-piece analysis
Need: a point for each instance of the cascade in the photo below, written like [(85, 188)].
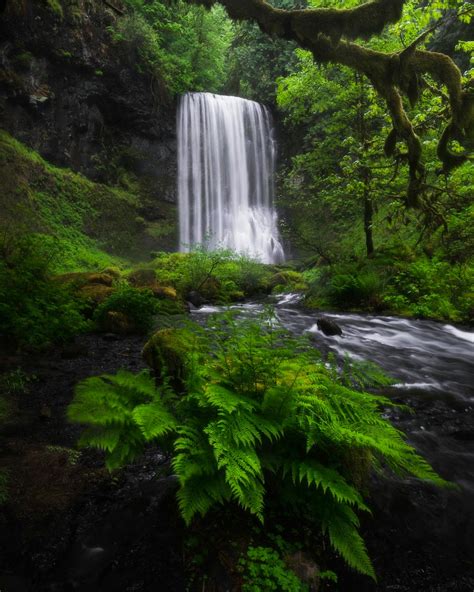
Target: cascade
[(226, 166)]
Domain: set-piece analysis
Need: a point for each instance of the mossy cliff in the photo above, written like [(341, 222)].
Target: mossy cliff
[(77, 95), (88, 225)]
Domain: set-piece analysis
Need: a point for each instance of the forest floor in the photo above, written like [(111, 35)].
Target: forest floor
[(69, 525)]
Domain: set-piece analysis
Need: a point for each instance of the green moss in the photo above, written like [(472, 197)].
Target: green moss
[(56, 7), (87, 226), (167, 350), (23, 60)]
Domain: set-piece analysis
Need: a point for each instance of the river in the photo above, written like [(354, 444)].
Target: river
[(420, 538)]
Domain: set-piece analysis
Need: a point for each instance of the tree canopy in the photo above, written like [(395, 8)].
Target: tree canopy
[(329, 33)]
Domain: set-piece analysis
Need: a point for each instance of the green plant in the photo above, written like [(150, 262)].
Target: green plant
[(56, 7), (137, 304), (15, 382), (219, 276), (264, 570), (34, 310), (260, 411)]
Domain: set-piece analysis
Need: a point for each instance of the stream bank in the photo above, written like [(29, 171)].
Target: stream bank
[(69, 526)]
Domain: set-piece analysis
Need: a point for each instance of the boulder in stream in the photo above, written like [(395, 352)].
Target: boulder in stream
[(328, 326)]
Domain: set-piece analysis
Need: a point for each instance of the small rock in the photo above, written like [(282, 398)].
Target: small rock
[(45, 412), (110, 337), (305, 568), (328, 326)]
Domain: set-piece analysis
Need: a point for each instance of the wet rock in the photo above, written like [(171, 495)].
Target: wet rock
[(195, 299), (305, 568), (328, 326), (113, 272), (72, 351)]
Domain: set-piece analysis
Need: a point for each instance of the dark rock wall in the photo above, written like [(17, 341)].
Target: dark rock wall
[(84, 101)]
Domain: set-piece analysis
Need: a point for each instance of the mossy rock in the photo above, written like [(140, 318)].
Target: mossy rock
[(166, 352), (142, 278), (80, 279), (113, 272), (96, 293), (164, 292), (211, 290), (117, 322), (286, 279)]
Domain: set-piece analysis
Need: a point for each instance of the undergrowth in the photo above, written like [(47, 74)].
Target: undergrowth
[(262, 418), (34, 310)]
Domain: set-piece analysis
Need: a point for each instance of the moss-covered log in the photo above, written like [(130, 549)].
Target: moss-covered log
[(330, 33)]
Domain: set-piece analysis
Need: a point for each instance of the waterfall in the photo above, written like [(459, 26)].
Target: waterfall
[(226, 166)]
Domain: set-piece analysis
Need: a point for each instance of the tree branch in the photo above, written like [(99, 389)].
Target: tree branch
[(329, 35)]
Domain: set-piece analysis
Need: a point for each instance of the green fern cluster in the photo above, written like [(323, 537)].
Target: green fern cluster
[(262, 409)]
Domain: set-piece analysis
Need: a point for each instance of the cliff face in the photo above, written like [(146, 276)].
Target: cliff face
[(71, 90)]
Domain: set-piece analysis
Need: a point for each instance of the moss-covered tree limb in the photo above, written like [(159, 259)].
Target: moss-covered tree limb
[(329, 35)]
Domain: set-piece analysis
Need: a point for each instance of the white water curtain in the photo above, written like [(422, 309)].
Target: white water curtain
[(226, 167)]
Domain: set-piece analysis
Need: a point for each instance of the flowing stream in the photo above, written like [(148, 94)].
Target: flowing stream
[(425, 356), (226, 166), (420, 537)]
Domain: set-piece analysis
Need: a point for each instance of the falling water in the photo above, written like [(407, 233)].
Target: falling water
[(226, 165)]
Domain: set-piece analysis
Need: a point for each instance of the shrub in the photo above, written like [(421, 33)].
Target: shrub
[(262, 416), (264, 570), (34, 310), (138, 305), (362, 288), (431, 288), (219, 276)]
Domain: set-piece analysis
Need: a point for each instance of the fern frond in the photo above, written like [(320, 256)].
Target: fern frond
[(199, 494), (344, 537), (154, 420), (142, 383), (224, 399), (327, 479)]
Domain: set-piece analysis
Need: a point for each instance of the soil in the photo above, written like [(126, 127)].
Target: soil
[(69, 524)]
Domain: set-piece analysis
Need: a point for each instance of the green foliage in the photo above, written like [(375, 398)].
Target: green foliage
[(14, 382), (92, 226), (257, 61), (288, 281), (34, 310), (402, 283), (184, 46), (261, 416), (122, 412), (56, 7), (264, 570), (430, 288), (220, 276), (137, 304), (341, 186)]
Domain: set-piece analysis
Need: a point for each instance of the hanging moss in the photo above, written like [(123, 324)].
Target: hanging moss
[(328, 34)]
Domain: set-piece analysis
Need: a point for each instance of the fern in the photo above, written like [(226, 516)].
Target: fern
[(257, 403), (342, 527)]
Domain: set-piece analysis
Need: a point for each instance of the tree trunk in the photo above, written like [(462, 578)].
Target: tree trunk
[(368, 216)]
